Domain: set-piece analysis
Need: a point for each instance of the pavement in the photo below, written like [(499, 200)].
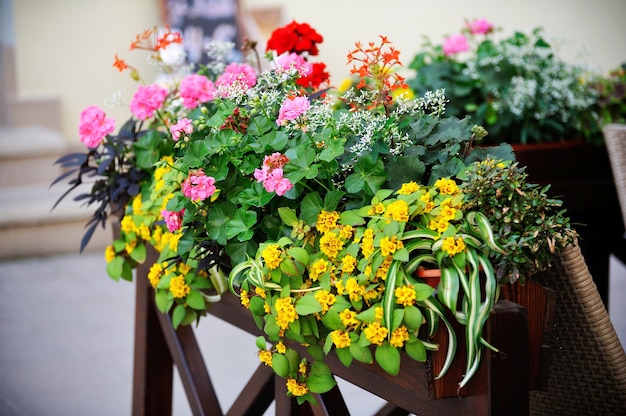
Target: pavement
[(66, 341)]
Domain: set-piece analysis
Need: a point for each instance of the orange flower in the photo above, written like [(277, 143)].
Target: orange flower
[(119, 64)]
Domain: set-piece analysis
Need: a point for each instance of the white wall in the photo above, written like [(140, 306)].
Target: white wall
[(66, 47)]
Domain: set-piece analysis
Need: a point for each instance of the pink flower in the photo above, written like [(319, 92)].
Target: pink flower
[(195, 89), (455, 44), (271, 174), (480, 27), (198, 186), (261, 174), (183, 126), (275, 182), (292, 108), (94, 126), (235, 72), (173, 219), (147, 100), (288, 61)]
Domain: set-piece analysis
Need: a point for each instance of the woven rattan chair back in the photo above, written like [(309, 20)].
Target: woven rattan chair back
[(615, 139), (588, 365)]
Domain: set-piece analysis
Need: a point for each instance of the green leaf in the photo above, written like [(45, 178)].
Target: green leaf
[(240, 225), (310, 208), (320, 381), (115, 267), (416, 351), (280, 365), (178, 315), (307, 305), (139, 253), (261, 343), (195, 300), (195, 154), (361, 353), (288, 216), (413, 317), (162, 300), (388, 357), (344, 355)]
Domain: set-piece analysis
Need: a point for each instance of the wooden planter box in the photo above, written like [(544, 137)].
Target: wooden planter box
[(499, 388)]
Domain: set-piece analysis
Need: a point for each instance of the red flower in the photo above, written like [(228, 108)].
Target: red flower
[(296, 38), (316, 78)]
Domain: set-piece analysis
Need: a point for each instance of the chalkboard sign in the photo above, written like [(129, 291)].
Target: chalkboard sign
[(203, 21)]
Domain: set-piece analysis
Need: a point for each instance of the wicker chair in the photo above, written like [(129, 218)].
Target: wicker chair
[(615, 139), (587, 374)]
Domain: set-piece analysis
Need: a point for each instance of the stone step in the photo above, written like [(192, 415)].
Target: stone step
[(29, 226), (27, 155)]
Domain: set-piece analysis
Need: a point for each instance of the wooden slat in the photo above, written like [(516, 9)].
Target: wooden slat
[(152, 366)]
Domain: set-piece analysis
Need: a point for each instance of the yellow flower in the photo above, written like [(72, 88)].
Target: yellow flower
[(348, 263), (137, 205), (325, 298), (178, 287), (285, 312), (375, 333), (382, 270), (405, 295), (127, 225), (399, 337), (403, 94), (355, 291), (346, 232), (398, 211), (280, 347), (155, 273), (367, 243), (271, 254), (376, 209), (348, 318), (447, 186), (331, 244), (408, 188), (245, 299), (378, 313), (453, 246), (295, 388), (390, 245), (319, 267), (130, 246), (327, 221), (340, 338), (109, 253), (260, 291), (265, 357)]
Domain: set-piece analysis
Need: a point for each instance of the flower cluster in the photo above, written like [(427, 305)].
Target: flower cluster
[(349, 285), (516, 86)]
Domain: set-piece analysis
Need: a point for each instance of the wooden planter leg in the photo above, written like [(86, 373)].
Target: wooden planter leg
[(152, 368), (257, 395), (191, 367)]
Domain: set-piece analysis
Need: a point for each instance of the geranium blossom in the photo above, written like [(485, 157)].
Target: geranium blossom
[(455, 44), (173, 219), (182, 126), (94, 126), (294, 37), (317, 77), (288, 61), (147, 100), (198, 186), (292, 108), (236, 72), (195, 89), (480, 27)]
